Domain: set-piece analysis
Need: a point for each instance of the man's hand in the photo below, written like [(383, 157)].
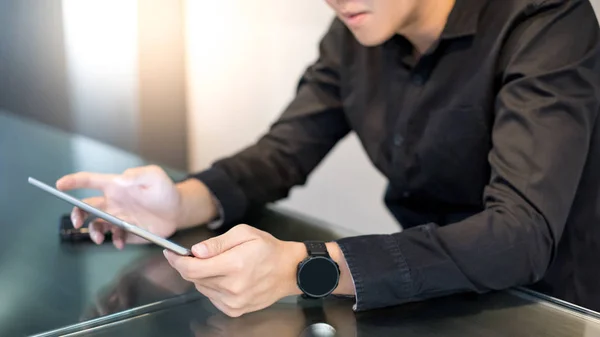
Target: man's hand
[(143, 196), (246, 270), (243, 270)]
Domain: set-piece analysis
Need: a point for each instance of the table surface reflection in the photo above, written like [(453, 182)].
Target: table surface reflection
[(49, 288)]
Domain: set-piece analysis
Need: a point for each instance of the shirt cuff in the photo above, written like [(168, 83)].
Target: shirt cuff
[(228, 196), (379, 271), (355, 296)]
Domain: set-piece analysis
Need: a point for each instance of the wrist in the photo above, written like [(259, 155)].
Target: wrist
[(295, 252), (196, 205), (345, 285)]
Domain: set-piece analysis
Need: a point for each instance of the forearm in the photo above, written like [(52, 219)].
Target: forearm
[(492, 250), (196, 204)]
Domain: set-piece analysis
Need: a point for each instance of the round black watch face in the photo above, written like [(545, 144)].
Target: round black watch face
[(318, 276)]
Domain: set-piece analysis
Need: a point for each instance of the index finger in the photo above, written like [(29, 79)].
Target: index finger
[(196, 268), (84, 180)]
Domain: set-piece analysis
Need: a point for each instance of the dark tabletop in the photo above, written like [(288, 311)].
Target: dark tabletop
[(49, 287)]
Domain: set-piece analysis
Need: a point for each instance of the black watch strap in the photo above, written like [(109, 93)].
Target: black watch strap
[(316, 248)]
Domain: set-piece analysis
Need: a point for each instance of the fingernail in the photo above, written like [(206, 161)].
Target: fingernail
[(200, 250), (73, 218), (165, 252)]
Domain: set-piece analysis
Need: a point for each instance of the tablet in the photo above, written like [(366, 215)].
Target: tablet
[(113, 220)]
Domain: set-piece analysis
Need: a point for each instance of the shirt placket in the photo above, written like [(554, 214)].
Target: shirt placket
[(411, 81)]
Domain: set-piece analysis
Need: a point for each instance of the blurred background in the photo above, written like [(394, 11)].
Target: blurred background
[(181, 83)]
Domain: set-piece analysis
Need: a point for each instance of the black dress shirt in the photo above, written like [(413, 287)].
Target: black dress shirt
[(490, 142)]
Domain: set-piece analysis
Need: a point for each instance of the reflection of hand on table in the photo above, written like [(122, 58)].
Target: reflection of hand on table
[(281, 322), (339, 314), (150, 280)]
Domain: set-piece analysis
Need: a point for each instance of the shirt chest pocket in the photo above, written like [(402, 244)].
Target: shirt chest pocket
[(450, 154)]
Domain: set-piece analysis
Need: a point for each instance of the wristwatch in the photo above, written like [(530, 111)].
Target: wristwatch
[(318, 274)]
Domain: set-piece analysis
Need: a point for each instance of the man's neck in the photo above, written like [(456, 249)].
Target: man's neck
[(427, 24)]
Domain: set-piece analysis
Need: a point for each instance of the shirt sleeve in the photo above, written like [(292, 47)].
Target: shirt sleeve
[(295, 144), (545, 114)]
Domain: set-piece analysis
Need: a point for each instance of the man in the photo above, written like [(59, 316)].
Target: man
[(482, 115)]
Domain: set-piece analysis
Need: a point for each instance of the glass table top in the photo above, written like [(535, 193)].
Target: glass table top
[(49, 287)]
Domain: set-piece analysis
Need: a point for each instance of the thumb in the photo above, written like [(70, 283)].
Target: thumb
[(222, 243)]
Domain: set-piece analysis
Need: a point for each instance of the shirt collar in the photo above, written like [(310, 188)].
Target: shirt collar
[(463, 19)]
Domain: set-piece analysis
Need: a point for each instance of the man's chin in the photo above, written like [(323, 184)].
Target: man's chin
[(369, 39)]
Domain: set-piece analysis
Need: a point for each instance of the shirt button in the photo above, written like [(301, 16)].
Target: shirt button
[(418, 79), (406, 194), (398, 140)]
